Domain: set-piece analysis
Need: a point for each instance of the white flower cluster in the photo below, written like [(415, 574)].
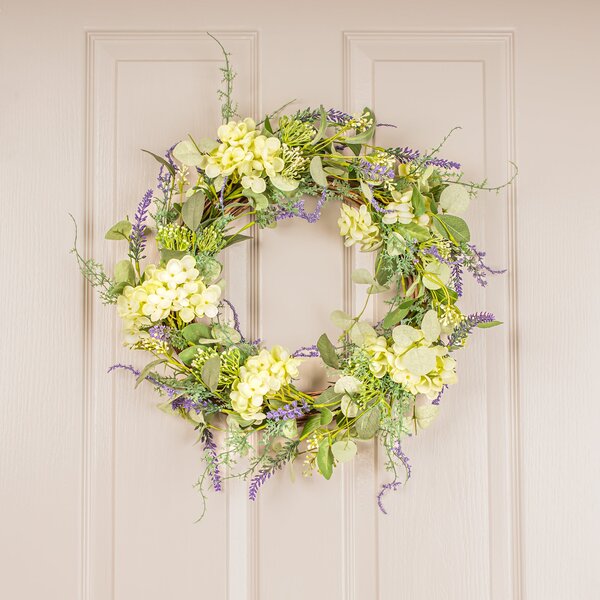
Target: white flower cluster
[(357, 226), (175, 288), (244, 154), (412, 359), (260, 376), (402, 210)]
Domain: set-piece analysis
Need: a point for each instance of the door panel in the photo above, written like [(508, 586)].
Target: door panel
[(96, 485)]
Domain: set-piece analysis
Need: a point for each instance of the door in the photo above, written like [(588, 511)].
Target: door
[(96, 488)]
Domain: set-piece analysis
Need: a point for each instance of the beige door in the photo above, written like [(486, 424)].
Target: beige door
[(96, 497)]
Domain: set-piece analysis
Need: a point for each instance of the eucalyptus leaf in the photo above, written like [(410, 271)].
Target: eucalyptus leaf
[(362, 334), (327, 352), (285, 184), (368, 423), (187, 153), (193, 209), (225, 334), (166, 255), (194, 332), (455, 198), (187, 356), (425, 414), (430, 326), (452, 227), (119, 231), (124, 272), (326, 416), (395, 244), (211, 370), (362, 276), (436, 275), (316, 171), (206, 145), (366, 190), (344, 450), (420, 361), (325, 459), (394, 317), (341, 319), (329, 397)]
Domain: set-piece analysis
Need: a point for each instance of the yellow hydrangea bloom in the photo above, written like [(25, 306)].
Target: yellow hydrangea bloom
[(357, 226)]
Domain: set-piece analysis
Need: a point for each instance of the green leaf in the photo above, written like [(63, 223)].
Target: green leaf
[(412, 231), (211, 370), (365, 136), (366, 190), (146, 370), (489, 324), (206, 145), (326, 416), (236, 238), (119, 231), (322, 127), (418, 201), (344, 450), (162, 161), (124, 272), (312, 424), (193, 209), (327, 352), (362, 276), (225, 334), (430, 326), (436, 275), (452, 227), (395, 244), (187, 153), (329, 397), (187, 356), (267, 126), (341, 319), (394, 317), (325, 459), (209, 269), (368, 423), (455, 198), (195, 332), (316, 171), (166, 255), (362, 334), (285, 184), (420, 361)]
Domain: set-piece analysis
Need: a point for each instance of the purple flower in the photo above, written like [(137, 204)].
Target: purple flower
[(236, 318), (164, 175), (404, 155), (298, 210), (289, 411), (437, 399), (137, 237), (461, 331), (375, 172), (212, 460), (442, 163), (162, 333), (394, 485), (456, 278), (473, 262), (306, 352), (338, 116)]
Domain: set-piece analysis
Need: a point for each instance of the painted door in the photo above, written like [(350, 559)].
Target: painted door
[(96, 485)]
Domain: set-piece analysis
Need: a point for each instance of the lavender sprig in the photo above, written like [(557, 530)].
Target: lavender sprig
[(162, 333), (164, 175), (298, 210), (437, 399), (395, 484), (464, 329), (404, 155), (374, 172), (212, 460), (273, 465), (137, 237), (306, 352), (473, 262), (289, 411), (442, 163), (236, 318)]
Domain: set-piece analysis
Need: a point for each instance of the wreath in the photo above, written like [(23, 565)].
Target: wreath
[(386, 378)]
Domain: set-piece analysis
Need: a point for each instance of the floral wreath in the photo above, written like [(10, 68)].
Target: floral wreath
[(386, 378)]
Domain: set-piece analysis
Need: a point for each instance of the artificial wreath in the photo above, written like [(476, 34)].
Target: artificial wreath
[(386, 378)]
